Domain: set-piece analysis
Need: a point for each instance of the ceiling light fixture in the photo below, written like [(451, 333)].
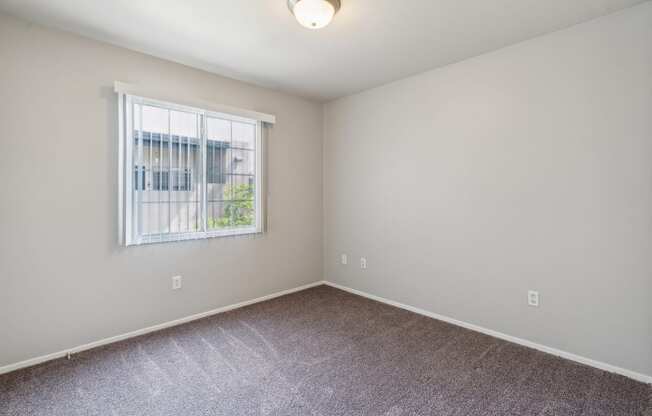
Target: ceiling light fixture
[(314, 14)]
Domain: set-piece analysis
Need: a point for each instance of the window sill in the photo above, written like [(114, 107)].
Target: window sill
[(202, 235)]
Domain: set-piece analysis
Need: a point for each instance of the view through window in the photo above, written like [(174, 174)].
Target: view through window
[(194, 172)]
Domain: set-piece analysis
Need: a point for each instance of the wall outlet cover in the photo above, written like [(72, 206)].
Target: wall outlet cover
[(533, 298), (176, 282)]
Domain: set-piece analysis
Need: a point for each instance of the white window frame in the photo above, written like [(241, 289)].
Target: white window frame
[(128, 194)]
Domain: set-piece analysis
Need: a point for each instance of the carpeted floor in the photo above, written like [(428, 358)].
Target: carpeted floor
[(318, 352)]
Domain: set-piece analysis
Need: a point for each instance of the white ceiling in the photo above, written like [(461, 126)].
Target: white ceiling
[(370, 42)]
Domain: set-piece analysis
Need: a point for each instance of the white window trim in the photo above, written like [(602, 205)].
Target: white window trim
[(127, 207), (124, 88)]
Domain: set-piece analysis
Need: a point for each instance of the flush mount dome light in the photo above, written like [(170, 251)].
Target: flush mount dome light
[(314, 14)]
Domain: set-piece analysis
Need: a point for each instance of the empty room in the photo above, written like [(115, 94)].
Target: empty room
[(326, 208)]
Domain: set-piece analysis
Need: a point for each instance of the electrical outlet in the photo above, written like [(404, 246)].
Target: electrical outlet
[(344, 259), (533, 298), (363, 263), (176, 282)]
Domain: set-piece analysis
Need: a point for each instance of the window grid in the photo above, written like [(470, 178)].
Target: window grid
[(172, 175)]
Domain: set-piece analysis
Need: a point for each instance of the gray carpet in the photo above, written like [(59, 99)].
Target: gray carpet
[(317, 352)]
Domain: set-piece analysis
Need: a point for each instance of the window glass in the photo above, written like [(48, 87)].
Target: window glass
[(193, 173)]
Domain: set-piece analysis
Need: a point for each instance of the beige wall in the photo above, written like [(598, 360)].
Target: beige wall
[(526, 168), (64, 280)]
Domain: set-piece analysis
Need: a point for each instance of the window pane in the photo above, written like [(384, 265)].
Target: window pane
[(181, 180), (242, 187), (155, 119), (216, 216), (168, 173), (218, 192), (218, 130), (184, 127), (244, 135), (183, 124), (217, 186), (230, 214), (216, 165), (218, 143), (243, 162), (155, 217), (155, 208), (241, 212)]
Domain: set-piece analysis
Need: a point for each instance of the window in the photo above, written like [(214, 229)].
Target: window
[(182, 179), (195, 173), (161, 180), (139, 178)]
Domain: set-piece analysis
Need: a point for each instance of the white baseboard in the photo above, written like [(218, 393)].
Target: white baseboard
[(105, 341), (573, 357), (567, 355)]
